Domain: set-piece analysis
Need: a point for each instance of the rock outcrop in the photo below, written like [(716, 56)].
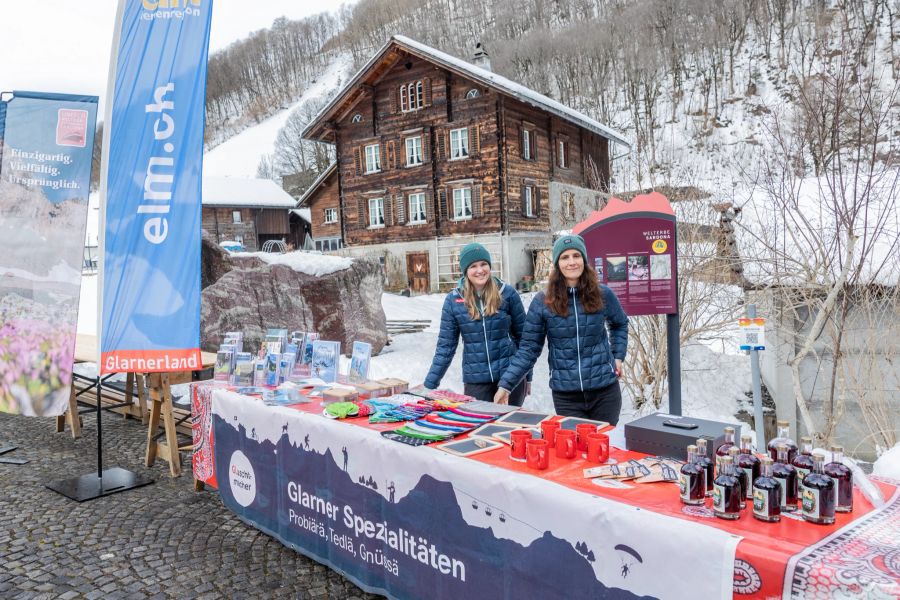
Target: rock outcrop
[(245, 293)]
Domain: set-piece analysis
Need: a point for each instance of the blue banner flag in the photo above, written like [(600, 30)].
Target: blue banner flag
[(150, 233), (46, 144)]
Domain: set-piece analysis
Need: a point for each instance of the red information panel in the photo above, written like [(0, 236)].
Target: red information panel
[(632, 246)]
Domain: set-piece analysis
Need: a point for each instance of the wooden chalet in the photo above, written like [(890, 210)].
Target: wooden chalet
[(434, 152), (249, 211)]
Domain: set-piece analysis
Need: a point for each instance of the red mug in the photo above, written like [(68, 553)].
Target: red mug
[(538, 454), (582, 430), (517, 439), (565, 443), (598, 447), (548, 431)]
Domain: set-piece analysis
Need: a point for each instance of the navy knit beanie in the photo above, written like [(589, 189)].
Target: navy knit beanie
[(472, 253), (569, 242)]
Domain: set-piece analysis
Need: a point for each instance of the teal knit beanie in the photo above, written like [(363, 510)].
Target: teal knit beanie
[(472, 253), (569, 242)]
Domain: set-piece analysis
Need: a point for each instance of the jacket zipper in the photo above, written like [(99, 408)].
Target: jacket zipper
[(577, 338), (486, 345)]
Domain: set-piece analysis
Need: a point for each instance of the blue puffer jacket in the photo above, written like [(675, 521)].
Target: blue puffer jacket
[(580, 354), (488, 344)]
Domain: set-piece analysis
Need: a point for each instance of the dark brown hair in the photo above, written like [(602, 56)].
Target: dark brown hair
[(557, 295)]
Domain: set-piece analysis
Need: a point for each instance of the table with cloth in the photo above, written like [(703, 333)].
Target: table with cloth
[(413, 522)]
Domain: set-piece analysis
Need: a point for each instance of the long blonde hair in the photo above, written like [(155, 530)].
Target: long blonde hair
[(490, 298)]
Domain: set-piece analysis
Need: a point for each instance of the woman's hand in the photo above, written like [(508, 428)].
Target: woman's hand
[(527, 388), (618, 368), (501, 397)]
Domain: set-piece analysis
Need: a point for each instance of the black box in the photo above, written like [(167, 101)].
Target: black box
[(657, 434)]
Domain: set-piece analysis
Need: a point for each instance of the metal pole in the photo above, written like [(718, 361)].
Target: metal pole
[(99, 432), (673, 345), (757, 389)]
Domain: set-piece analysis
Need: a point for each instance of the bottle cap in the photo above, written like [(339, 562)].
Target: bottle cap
[(767, 460), (734, 451), (837, 448), (692, 448), (726, 460), (701, 443), (781, 446), (746, 437), (806, 439), (783, 424), (729, 430)]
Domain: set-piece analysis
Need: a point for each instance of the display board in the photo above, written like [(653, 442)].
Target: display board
[(632, 246), (46, 141)]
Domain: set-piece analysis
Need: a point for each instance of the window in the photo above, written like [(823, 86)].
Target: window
[(528, 200), (330, 215), (235, 216), (376, 212), (413, 151), (568, 202), (459, 143), (412, 96), (473, 93), (357, 118), (462, 203), (417, 208), (239, 239), (563, 154), (526, 144), (373, 158)]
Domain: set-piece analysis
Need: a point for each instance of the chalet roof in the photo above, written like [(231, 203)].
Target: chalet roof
[(303, 213), (245, 193), (316, 129), (304, 198)]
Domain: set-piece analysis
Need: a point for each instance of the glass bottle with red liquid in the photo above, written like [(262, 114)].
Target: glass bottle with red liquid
[(727, 491), (748, 463), (786, 475), (783, 437), (818, 494), (803, 462), (728, 443), (734, 452), (766, 494), (706, 462), (692, 480), (843, 477)]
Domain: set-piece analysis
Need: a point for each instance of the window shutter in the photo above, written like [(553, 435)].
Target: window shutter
[(362, 213), (428, 208), (426, 84), (392, 155), (476, 201), (401, 153), (426, 155), (441, 145), (357, 159), (383, 151), (442, 196), (532, 139), (388, 210), (401, 209), (395, 100), (474, 141), (521, 142), (537, 201), (522, 196)]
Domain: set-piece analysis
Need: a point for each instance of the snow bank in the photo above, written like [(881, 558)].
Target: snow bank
[(304, 262), (888, 464)]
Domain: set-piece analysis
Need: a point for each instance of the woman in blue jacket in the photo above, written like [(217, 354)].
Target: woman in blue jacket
[(489, 316), (574, 315)]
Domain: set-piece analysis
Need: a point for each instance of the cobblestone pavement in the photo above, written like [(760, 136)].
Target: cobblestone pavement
[(160, 541)]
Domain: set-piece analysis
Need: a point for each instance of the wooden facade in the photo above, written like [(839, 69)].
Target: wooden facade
[(250, 226), (487, 156)]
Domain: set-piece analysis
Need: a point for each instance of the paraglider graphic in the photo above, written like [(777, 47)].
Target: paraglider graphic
[(628, 556)]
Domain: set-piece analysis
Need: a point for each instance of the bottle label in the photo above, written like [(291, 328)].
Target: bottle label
[(801, 473), (810, 502), (718, 498), (684, 484), (749, 491), (761, 502)]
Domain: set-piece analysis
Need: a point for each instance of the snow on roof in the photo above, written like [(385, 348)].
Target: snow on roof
[(303, 213), (239, 192), (483, 76), (304, 262), (315, 184)]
